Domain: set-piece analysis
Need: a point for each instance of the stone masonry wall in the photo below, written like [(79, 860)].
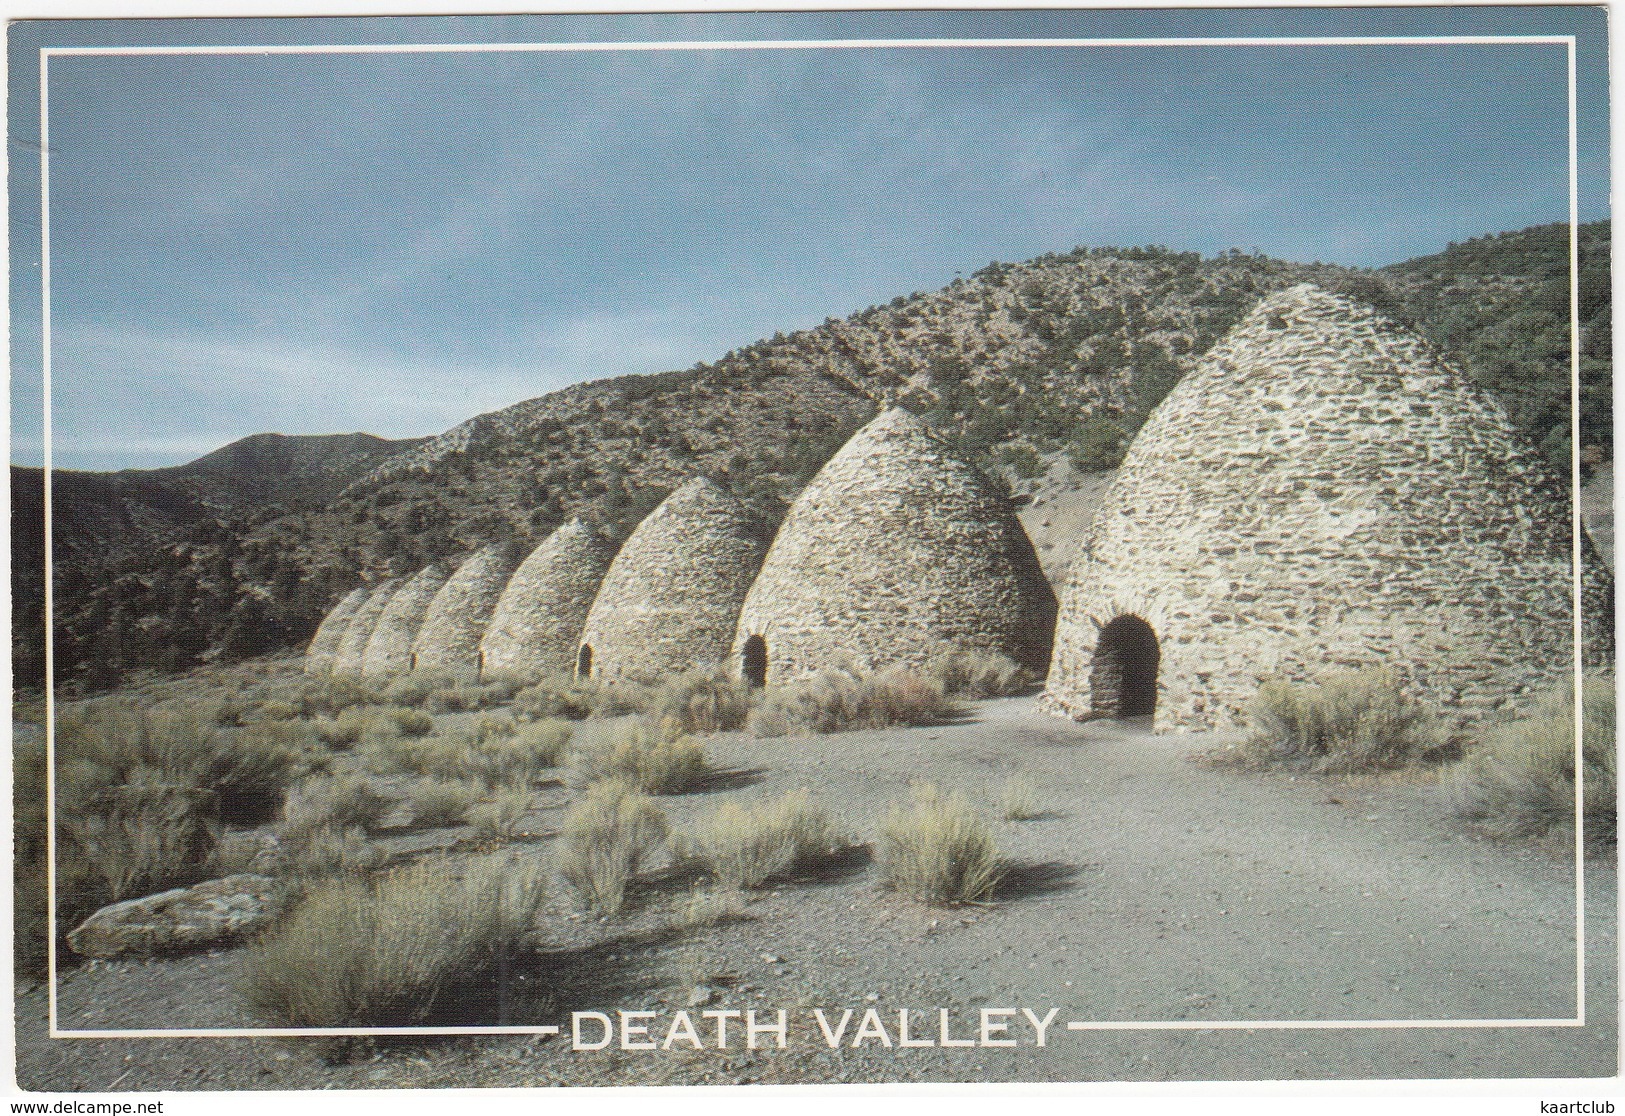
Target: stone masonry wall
[(671, 597), (1322, 492), (449, 638), (353, 643), (324, 644), (389, 648), (895, 550), (538, 619)]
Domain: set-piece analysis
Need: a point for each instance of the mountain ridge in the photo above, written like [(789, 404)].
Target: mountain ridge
[(1058, 358)]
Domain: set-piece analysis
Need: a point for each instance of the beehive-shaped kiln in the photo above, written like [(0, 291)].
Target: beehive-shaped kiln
[(537, 624), (671, 597), (324, 644), (352, 648), (897, 549), (389, 648), (1323, 492), (449, 637)]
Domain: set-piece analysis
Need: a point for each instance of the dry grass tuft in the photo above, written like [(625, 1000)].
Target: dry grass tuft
[(1518, 782), (403, 950), (604, 839), (441, 802), (977, 674), (745, 845), (842, 700), (497, 816), (938, 850), (1351, 722), (335, 801), (1018, 799), (655, 757), (703, 701)]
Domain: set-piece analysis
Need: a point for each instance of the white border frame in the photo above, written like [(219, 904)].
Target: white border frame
[(1570, 41)]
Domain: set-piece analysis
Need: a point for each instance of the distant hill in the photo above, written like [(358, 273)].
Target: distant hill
[(1055, 360)]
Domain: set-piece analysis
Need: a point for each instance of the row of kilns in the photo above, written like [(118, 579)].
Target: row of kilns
[(1320, 492), (897, 549)]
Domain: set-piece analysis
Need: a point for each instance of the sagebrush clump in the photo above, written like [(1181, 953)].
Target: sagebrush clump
[(604, 840), (1351, 721), (745, 845), (403, 950), (704, 701), (977, 674), (657, 757), (937, 849), (1517, 781), (841, 699)]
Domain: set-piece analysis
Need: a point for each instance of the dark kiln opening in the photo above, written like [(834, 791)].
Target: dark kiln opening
[(584, 661), (753, 662), (1123, 677)]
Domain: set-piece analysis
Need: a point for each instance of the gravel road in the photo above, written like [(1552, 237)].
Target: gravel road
[(1155, 891)]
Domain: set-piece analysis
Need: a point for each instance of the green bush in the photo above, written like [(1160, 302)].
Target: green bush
[(1351, 721), (1518, 781), (142, 793), (938, 849), (842, 700), (403, 950), (515, 758), (604, 839), (744, 846), (655, 757), (332, 850)]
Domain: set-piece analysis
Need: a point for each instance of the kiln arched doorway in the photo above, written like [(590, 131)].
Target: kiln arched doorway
[(1123, 675), (753, 662)]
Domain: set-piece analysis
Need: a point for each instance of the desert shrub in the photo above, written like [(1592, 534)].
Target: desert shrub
[(1518, 781), (938, 849), (413, 689), (655, 757), (487, 729), (840, 700), (332, 850), (1018, 799), (604, 839), (515, 758), (337, 801), (142, 792), (499, 813), (977, 674), (704, 701), (276, 710), (328, 697), (402, 950), (141, 839), (1351, 721), (744, 846), (466, 697), (410, 722), (441, 802), (555, 696)]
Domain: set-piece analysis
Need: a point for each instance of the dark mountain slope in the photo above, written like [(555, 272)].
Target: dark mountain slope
[(1064, 353)]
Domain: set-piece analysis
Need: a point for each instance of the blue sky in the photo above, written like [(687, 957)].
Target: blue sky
[(395, 242)]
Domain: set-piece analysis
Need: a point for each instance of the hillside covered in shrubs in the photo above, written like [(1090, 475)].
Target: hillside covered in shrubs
[(1063, 354)]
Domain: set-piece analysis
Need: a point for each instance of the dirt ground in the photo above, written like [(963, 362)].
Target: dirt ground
[(1151, 891)]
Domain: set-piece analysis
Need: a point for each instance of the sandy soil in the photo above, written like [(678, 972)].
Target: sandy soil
[(1153, 889)]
